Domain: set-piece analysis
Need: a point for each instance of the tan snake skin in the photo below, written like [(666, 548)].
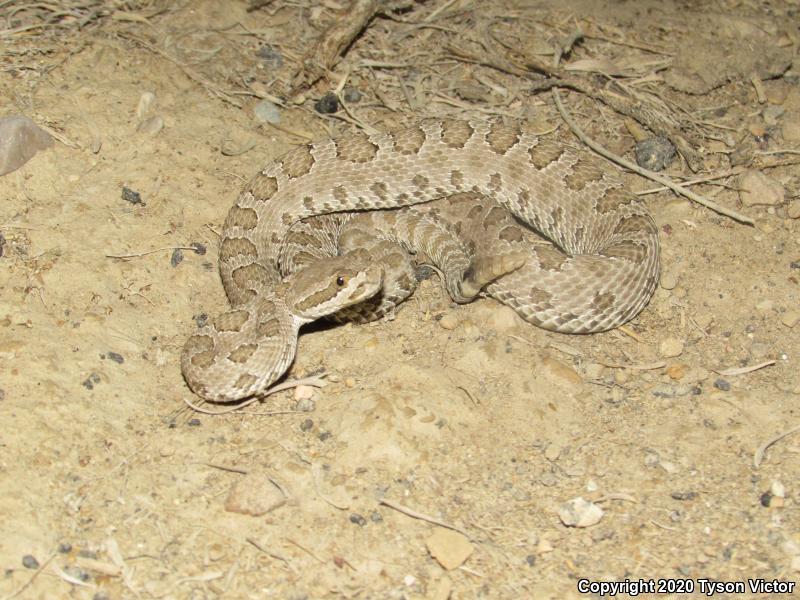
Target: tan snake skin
[(600, 272)]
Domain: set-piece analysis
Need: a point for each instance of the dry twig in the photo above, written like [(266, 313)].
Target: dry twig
[(644, 172), (423, 517), (759, 454), (326, 53)]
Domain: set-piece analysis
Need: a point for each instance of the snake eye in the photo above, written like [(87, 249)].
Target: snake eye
[(340, 281)]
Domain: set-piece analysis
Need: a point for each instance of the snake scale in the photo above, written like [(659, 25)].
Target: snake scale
[(504, 184)]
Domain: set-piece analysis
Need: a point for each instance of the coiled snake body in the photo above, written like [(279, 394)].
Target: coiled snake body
[(600, 270)]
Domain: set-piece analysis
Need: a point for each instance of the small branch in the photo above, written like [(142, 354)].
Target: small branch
[(743, 370), (759, 454), (423, 517), (146, 252), (337, 38), (644, 172), (33, 577), (695, 181)]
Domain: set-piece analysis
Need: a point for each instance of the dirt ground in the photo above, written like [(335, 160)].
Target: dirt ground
[(441, 457)]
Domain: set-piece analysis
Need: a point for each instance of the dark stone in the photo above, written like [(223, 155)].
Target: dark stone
[(654, 153), (358, 519), (328, 104), (131, 196)]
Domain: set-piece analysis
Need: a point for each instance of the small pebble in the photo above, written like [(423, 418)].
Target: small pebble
[(303, 392), (757, 189), (376, 517), (552, 452), (328, 104), (254, 495), (199, 248), (65, 547), (270, 56), (777, 489), (351, 95), (307, 425), (146, 102), (450, 548), (195, 422), (790, 128), (651, 459), (20, 140), (176, 258), (790, 318), (358, 519), (91, 381), (654, 153), (449, 321), (670, 348), (683, 496), (473, 92), (722, 384), (594, 370), (131, 196), (29, 562), (771, 114), (765, 305), (668, 281), (116, 357), (305, 405), (151, 126), (676, 371), (793, 209), (267, 112), (77, 573), (668, 466), (580, 513), (559, 372)]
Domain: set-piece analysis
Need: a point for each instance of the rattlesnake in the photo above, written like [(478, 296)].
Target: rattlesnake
[(605, 275)]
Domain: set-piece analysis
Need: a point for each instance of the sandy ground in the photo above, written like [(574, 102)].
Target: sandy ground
[(463, 414)]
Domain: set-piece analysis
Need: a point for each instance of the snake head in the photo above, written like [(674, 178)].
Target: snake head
[(331, 284)]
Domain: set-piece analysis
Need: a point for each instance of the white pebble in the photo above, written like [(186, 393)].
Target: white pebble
[(765, 305), (790, 318), (790, 128), (266, 112), (777, 489), (671, 347), (450, 321), (755, 189), (146, 100), (580, 513)]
